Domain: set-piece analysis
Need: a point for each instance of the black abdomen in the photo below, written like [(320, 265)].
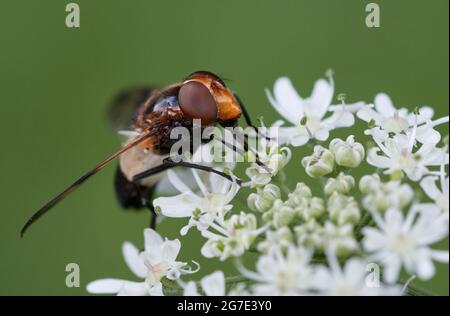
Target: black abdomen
[(130, 195)]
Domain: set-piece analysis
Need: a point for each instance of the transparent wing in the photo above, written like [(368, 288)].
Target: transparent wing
[(123, 106)]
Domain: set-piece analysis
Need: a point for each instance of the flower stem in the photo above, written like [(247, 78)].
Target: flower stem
[(365, 221), (414, 290)]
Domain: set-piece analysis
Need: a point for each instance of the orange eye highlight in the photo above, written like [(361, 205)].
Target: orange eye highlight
[(197, 102)]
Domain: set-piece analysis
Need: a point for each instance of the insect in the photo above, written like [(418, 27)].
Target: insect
[(155, 112)]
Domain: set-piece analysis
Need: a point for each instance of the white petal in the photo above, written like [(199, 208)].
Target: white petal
[(392, 268), (170, 250), (286, 101), (322, 279), (374, 239), (214, 284), (368, 114), (393, 219), (352, 107), (295, 136), (199, 182), (321, 97), (355, 271), (440, 256), (105, 286), (152, 240), (427, 134), (133, 289), (339, 119), (190, 289), (266, 266), (207, 250), (177, 182), (133, 260), (377, 160), (322, 134), (383, 104), (298, 140), (430, 188), (218, 184), (181, 205), (425, 268), (156, 290), (166, 187), (426, 113), (432, 156)]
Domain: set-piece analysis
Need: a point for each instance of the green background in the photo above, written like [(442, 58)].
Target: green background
[(55, 83)]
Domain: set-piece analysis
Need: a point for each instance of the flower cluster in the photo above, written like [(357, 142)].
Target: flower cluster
[(364, 217)]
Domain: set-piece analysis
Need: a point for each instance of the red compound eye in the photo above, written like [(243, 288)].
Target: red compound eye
[(197, 102)]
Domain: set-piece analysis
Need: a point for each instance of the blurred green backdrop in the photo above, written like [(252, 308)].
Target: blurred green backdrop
[(56, 81)]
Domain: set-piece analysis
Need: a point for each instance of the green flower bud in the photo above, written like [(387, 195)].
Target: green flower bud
[(282, 237), (283, 214), (369, 183), (311, 208), (343, 184), (343, 209), (263, 200), (342, 238), (268, 216), (301, 192), (310, 234), (380, 196), (320, 163), (397, 175), (347, 153)]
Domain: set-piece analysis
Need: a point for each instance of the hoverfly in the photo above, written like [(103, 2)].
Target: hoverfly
[(145, 157)]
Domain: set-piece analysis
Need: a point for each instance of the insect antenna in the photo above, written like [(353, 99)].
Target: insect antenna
[(80, 181)]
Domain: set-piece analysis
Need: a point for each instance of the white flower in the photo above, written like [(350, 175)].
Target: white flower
[(264, 199), (273, 159), (320, 163), (397, 155), (387, 119), (342, 184), (157, 261), (348, 153), (310, 234), (231, 237), (343, 209), (405, 241), (351, 280), (213, 200), (281, 274), (309, 115), (319, 237), (212, 285), (439, 196), (341, 238), (282, 214), (282, 237), (379, 196)]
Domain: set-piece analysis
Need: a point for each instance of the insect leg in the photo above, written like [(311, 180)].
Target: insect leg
[(149, 204), (168, 163), (247, 118), (132, 195), (246, 149)]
